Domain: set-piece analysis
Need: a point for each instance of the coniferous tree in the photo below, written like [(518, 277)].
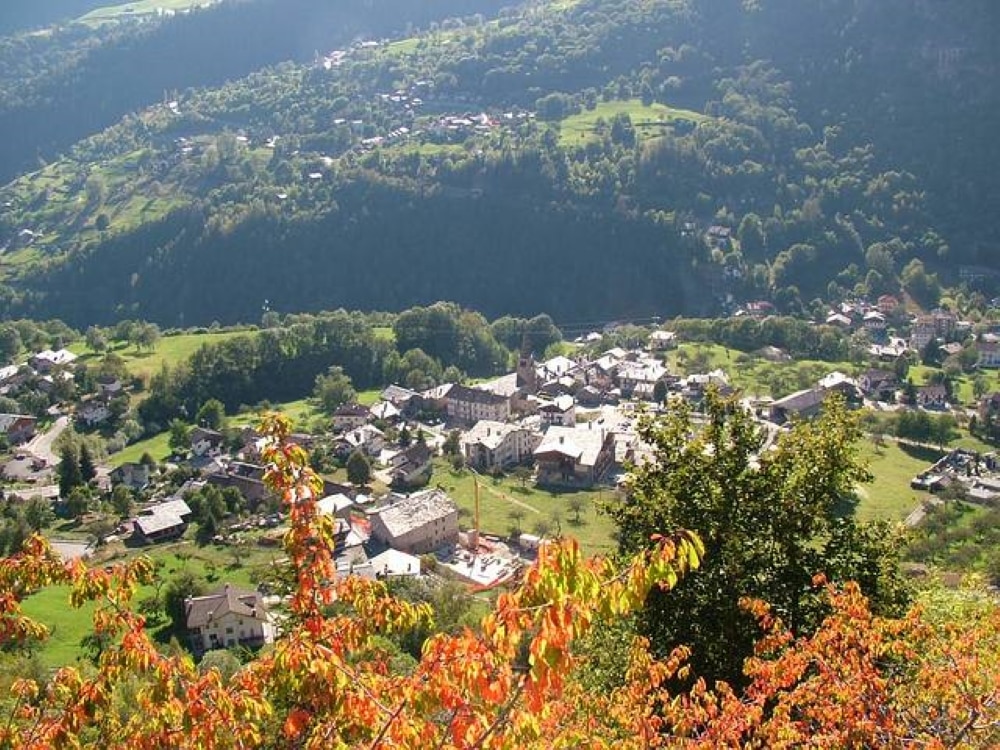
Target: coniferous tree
[(68, 471), (88, 470)]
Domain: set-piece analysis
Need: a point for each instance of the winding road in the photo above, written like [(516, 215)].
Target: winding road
[(40, 446)]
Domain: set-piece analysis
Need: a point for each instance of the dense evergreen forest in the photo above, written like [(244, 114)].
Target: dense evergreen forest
[(561, 156)]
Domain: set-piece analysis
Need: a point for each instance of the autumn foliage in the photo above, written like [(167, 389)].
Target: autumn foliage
[(858, 681)]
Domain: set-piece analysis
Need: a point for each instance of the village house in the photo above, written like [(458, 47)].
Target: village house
[(246, 477), (206, 442), (574, 456), (802, 404), (497, 445), (337, 505), (922, 332), (351, 416), (932, 397), (385, 411), (758, 309), (560, 411), (557, 367), (368, 439), (228, 618), (395, 564), (662, 340), (989, 354), (693, 387), (880, 385), (563, 386), (46, 361), (18, 428), (719, 237), (162, 522), (874, 322), (109, 387), (944, 322), (416, 524), (988, 406), (950, 349), (93, 412), (470, 405), (411, 467), (887, 304), (408, 402), (133, 475), (839, 320), (838, 382), (638, 379)]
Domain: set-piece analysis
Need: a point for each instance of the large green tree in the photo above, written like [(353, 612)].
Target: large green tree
[(359, 468), (770, 519), (68, 470), (334, 389)]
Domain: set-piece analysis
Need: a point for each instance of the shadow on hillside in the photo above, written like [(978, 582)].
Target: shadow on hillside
[(922, 452)]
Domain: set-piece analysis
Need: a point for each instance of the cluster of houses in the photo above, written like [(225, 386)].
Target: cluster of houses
[(976, 474), (560, 416), (43, 371)]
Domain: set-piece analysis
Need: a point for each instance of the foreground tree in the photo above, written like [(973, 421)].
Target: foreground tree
[(859, 680), (770, 520), (326, 682)]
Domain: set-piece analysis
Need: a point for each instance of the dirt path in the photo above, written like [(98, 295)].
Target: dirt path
[(511, 500)]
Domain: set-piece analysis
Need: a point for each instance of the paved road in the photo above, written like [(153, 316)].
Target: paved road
[(40, 446)]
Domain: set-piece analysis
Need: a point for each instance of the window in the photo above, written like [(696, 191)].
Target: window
[(229, 631)]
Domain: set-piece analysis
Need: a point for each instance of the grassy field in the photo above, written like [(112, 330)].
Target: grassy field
[(156, 446), (649, 121), (139, 8), (497, 498), (213, 565), (753, 375), (67, 626), (169, 350), (889, 497), (404, 46), (427, 149)]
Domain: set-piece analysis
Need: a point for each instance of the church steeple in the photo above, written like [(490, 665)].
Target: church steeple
[(527, 373)]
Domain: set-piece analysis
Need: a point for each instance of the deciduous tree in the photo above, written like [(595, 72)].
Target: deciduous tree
[(770, 520), (359, 469)]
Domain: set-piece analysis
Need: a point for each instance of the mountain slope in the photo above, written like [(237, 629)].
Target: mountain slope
[(567, 157)]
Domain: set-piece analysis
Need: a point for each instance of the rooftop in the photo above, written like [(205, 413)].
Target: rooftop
[(407, 513), (201, 610), (489, 433), (582, 444)]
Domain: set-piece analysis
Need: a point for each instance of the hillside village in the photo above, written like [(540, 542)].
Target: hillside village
[(540, 395), (565, 424)]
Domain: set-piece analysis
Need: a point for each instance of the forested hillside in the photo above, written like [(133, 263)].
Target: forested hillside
[(561, 156), (21, 15)]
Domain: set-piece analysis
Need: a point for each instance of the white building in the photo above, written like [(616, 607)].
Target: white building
[(228, 618), (418, 523), (496, 445), (560, 411)]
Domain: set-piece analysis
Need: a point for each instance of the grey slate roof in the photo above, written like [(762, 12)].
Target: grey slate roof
[(201, 610)]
